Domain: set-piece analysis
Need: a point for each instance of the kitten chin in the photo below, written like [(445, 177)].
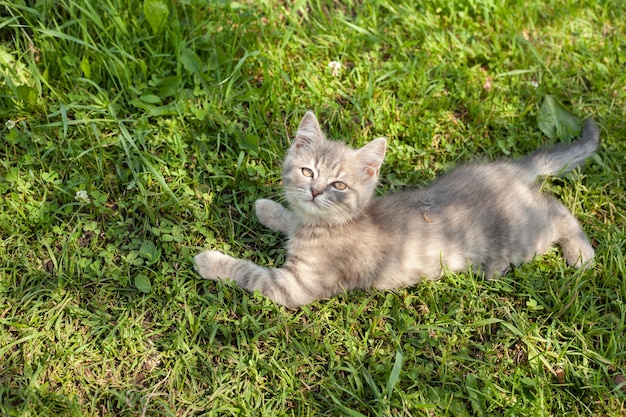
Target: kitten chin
[(486, 217)]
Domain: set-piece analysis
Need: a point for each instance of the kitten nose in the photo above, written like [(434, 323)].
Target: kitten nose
[(314, 192)]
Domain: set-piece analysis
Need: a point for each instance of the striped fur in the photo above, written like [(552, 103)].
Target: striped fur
[(339, 237)]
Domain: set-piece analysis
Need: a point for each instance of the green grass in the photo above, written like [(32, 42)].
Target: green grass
[(174, 127)]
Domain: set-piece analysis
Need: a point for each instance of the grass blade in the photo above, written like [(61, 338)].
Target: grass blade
[(394, 376)]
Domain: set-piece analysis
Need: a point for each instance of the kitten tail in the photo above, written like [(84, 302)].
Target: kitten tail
[(563, 157)]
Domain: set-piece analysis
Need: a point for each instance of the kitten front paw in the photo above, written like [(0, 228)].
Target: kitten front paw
[(212, 264), (271, 215)]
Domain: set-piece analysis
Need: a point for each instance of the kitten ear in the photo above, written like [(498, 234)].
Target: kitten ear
[(372, 155), (308, 133)]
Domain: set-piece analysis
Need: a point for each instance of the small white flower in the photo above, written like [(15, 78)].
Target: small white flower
[(335, 66), (82, 197), (10, 124), (534, 83)]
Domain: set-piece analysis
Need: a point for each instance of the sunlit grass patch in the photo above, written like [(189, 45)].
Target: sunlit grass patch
[(131, 141)]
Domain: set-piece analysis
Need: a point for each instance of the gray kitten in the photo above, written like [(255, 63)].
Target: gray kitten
[(339, 237)]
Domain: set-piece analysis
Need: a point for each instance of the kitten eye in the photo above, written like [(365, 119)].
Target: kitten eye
[(307, 172), (340, 185)]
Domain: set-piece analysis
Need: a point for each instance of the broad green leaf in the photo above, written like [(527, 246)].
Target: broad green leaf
[(143, 284), (85, 66), (236, 6), (51, 177), (5, 57), (150, 99), (193, 65), (156, 12), (149, 251), (248, 141), (169, 86), (555, 121), (166, 237), (190, 61), (171, 109), (26, 94), (140, 104)]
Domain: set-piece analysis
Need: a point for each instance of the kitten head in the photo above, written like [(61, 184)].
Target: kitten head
[(327, 182)]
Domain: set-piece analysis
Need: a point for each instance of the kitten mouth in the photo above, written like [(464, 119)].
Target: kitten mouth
[(312, 206)]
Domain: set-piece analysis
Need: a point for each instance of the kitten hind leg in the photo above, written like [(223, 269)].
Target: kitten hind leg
[(273, 215), (495, 269), (577, 251), (576, 248)]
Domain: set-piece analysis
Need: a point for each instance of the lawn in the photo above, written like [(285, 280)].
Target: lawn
[(136, 134)]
